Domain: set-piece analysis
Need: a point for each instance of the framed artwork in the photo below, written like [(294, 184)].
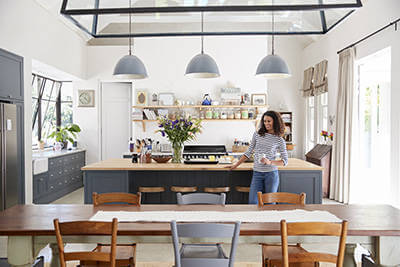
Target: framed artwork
[(166, 99), (258, 99), (141, 98), (85, 98)]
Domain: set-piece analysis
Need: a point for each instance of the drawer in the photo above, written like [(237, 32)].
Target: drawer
[(56, 173), (55, 162)]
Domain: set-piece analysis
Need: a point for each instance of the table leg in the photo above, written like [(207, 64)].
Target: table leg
[(20, 251), (388, 250)]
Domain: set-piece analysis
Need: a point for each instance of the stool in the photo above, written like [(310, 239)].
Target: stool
[(217, 189), (245, 197), (151, 189), (184, 189)]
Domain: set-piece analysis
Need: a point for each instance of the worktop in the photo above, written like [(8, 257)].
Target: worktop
[(53, 154), (121, 175), (127, 165)]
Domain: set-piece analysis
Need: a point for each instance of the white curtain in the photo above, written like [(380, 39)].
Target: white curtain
[(340, 174)]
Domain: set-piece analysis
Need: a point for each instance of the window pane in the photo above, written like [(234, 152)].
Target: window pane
[(51, 90), (311, 101), (48, 117), (66, 92), (324, 99), (325, 118), (66, 113)]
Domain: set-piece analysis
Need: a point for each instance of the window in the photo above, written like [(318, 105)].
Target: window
[(371, 147), (51, 106), (317, 119)]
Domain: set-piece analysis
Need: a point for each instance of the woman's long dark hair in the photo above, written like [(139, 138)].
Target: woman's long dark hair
[(278, 125)]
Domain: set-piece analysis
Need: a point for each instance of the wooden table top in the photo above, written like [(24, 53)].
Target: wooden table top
[(126, 164), (364, 220)]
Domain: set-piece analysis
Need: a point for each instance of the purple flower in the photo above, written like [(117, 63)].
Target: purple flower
[(160, 125), (163, 133)]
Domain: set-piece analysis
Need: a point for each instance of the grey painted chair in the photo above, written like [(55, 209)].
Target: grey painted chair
[(200, 255), (201, 198)]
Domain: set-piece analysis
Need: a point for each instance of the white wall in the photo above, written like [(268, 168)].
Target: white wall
[(166, 60), (374, 15), (30, 31)]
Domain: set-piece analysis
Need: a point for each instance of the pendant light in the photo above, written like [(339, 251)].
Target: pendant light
[(130, 66), (273, 66), (202, 65)]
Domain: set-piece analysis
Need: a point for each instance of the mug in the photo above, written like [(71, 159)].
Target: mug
[(58, 146)]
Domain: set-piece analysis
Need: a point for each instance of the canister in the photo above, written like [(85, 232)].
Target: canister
[(215, 114), (238, 115), (209, 114), (245, 113)]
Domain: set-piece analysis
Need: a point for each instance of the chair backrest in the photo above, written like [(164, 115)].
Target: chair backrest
[(126, 198), (200, 198), (313, 228), (281, 197), (199, 230), (86, 228)]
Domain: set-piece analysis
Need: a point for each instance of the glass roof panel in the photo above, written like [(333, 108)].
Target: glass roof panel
[(182, 17), (85, 4)]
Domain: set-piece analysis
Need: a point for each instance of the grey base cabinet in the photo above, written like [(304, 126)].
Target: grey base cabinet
[(63, 177), (293, 181)]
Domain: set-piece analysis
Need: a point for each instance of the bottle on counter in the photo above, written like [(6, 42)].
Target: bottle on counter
[(131, 145)]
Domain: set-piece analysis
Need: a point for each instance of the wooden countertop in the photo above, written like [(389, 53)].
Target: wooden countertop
[(126, 165)]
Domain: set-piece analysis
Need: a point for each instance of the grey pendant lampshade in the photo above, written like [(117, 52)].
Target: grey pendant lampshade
[(273, 67), (202, 65), (130, 66)]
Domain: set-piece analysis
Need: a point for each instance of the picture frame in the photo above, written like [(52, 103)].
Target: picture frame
[(166, 99), (86, 98), (141, 98), (258, 99)]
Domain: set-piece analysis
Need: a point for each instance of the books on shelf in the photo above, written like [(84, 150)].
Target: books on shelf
[(150, 114), (137, 114)]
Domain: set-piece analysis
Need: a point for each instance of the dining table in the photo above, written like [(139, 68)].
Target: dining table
[(30, 227)]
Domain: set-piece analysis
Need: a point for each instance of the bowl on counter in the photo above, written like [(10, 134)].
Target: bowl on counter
[(161, 159)]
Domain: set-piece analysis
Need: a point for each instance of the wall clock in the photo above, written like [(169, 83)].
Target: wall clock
[(85, 98)]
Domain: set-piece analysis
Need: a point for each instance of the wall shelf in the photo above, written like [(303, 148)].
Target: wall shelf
[(215, 120), (202, 106)]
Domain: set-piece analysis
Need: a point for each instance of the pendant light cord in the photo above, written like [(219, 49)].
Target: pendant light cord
[(202, 36), (273, 29), (130, 31)]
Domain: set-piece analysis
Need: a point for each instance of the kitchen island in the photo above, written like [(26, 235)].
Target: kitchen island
[(121, 175)]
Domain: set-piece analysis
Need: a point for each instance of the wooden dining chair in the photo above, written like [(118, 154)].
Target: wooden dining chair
[(281, 197), (316, 229), (272, 253), (107, 198), (87, 228), (125, 253)]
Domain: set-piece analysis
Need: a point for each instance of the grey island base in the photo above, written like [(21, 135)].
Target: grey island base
[(121, 175)]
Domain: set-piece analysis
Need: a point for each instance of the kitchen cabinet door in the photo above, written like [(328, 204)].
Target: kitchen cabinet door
[(11, 76)]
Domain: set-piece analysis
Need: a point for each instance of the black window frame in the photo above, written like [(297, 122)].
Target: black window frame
[(37, 111)]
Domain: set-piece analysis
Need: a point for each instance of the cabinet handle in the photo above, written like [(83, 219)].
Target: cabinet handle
[(51, 187), (60, 183), (59, 172), (41, 179), (51, 175)]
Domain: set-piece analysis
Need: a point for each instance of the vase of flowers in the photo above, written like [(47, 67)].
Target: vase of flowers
[(179, 131), (328, 137)]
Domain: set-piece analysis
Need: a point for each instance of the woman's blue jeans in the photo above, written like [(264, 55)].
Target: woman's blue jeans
[(265, 182)]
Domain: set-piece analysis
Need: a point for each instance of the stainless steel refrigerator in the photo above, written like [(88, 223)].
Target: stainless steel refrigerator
[(8, 156)]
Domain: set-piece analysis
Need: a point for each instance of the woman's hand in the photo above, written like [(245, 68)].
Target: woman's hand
[(266, 161), (231, 167)]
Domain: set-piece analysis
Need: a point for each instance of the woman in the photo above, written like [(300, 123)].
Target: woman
[(265, 143)]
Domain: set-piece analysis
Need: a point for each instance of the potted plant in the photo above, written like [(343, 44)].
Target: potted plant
[(64, 134)]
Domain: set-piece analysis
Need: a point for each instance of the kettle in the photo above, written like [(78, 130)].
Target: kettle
[(206, 100)]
